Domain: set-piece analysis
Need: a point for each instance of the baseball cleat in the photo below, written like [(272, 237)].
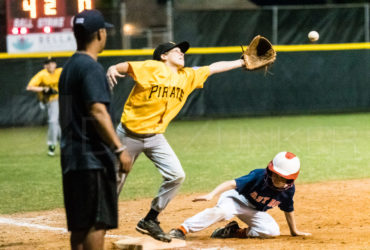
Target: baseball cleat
[(177, 233), (229, 231), (51, 151), (152, 228)]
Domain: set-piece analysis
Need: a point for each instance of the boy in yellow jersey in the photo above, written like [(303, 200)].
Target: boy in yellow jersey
[(162, 86), (45, 84)]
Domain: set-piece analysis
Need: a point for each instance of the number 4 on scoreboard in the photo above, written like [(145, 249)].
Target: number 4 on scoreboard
[(30, 5)]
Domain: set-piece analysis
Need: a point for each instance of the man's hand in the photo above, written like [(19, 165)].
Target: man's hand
[(206, 197), (49, 91), (45, 90), (112, 75), (292, 225), (298, 233), (125, 161)]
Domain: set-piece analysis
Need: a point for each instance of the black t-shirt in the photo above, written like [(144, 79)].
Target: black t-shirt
[(81, 83)]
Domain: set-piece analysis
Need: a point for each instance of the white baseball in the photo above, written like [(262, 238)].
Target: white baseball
[(313, 36)]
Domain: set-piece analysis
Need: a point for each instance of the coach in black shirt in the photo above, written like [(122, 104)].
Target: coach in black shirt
[(89, 146)]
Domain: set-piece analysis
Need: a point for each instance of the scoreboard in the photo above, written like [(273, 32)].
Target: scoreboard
[(42, 25)]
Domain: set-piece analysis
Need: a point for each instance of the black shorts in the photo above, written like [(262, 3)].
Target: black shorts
[(90, 199)]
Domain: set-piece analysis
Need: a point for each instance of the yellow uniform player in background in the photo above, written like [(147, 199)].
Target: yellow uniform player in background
[(45, 84), (162, 86)]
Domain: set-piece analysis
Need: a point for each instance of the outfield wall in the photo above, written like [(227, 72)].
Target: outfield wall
[(305, 79), (327, 77)]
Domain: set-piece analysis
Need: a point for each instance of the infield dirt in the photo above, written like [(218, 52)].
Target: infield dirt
[(336, 213)]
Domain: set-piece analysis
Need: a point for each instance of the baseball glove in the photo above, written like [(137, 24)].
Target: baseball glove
[(50, 91), (259, 53)]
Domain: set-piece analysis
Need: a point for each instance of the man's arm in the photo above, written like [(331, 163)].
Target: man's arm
[(34, 84), (106, 131), (115, 71), (37, 89), (292, 225), (224, 66), (225, 186)]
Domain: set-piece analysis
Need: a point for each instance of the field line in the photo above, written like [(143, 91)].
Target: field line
[(13, 222)]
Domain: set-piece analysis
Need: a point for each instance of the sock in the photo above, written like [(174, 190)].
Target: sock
[(182, 229), (152, 215), (241, 233)]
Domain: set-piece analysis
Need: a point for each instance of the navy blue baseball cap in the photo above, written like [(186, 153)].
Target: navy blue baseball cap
[(91, 21), (164, 47)]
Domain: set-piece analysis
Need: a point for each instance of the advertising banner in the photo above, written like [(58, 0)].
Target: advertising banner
[(41, 42)]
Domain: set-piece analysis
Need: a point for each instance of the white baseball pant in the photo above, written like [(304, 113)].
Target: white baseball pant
[(231, 204)]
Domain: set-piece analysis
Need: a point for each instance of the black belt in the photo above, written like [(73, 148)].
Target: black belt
[(129, 132)]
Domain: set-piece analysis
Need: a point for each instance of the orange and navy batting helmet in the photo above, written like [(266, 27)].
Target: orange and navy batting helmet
[(286, 165)]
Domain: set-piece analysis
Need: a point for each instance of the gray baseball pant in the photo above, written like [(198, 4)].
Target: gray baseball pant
[(157, 149), (53, 122)]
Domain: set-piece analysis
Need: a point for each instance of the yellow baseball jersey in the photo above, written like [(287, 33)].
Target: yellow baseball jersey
[(44, 79), (158, 95)]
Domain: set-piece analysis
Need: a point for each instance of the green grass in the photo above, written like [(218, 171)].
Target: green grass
[(331, 147)]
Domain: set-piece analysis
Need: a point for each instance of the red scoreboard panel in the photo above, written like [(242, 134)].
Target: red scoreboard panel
[(32, 21)]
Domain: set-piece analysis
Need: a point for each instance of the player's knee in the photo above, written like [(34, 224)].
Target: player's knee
[(179, 177), (272, 231), (264, 232), (175, 177)]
